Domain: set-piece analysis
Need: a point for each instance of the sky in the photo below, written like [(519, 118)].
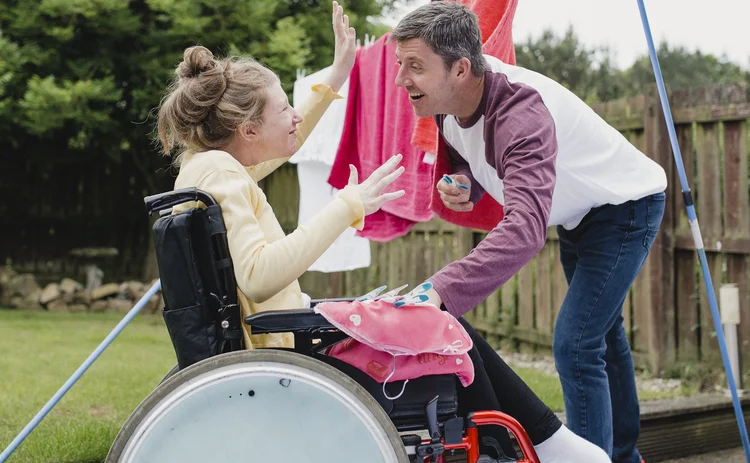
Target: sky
[(719, 27)]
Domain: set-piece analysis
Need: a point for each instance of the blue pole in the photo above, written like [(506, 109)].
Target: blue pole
[(79, 372), (693, 219)]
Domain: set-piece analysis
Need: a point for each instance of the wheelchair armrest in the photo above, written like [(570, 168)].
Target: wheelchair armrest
[(288, 321), (315, 302)]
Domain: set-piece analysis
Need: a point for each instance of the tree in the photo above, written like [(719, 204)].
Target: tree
[(80, 79), (587, 72), (682, 69)]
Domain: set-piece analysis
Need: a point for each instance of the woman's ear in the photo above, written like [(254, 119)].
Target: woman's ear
[(248, 132)]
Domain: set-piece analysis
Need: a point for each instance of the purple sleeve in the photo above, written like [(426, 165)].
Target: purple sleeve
[(459, 166), (524, 149)]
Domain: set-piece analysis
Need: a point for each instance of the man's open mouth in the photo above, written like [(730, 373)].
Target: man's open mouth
[(415, 96)]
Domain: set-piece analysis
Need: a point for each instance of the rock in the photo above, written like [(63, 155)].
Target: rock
[(24, 285), (19, 302), (82, 297), (50, 293), (57, 306), (78, 308), (108, 290), (69, 286), (99, 306), (119, 305), (154, 305), (132, 290), (6, 274)]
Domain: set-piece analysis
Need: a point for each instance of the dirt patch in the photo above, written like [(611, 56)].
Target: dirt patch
[(102, 411)]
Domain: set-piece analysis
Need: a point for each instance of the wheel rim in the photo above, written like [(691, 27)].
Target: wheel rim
[(214, 416)]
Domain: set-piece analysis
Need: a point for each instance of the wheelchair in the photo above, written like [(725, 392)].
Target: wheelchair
[(223, 403)]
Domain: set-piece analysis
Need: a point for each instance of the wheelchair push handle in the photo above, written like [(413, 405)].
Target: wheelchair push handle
[(168, 199)]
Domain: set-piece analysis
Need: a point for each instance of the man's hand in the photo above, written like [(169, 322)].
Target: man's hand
[(454, 197), (433, 298)]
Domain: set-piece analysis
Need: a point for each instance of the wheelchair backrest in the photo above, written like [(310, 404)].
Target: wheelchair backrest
[(197, 276)]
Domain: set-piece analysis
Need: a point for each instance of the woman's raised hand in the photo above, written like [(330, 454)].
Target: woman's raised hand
[(345, 48)]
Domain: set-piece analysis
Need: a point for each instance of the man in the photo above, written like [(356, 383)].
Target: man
[(545, 156)]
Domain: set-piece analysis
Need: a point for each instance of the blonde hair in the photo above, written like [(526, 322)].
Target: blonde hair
[(209, 99)]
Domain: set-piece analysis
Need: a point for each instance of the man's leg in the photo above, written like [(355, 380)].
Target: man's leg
[(610, 244), (626, 416)]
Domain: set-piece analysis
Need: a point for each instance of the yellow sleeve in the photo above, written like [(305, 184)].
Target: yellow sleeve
[(263, 268), (312, 110)]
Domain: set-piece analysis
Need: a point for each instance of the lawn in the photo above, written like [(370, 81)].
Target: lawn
[(41, 350)]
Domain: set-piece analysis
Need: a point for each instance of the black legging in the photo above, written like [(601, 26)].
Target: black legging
[(497, 387)]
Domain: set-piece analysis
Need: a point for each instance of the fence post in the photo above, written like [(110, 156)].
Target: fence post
[(660, 264)]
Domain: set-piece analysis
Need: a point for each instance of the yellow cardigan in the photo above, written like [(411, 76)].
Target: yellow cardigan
[(267, 263)]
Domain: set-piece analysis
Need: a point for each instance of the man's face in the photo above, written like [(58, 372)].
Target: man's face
[(423, 74)]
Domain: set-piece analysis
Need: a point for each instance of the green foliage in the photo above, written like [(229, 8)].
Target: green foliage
[(85, 76), (682, 68), (589, 72), (48, 106)]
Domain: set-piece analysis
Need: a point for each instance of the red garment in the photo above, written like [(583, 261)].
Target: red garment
[(496, 26), (379, 123)]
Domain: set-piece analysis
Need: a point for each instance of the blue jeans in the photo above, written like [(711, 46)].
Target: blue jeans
[(601, 258)]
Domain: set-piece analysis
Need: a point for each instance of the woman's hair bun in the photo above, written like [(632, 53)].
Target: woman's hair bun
[(195, 61)]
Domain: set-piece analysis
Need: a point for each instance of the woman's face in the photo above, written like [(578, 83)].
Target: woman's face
[(277, 136)]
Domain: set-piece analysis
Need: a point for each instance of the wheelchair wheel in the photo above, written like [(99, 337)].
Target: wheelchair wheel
[(258, 406), (172, 371)]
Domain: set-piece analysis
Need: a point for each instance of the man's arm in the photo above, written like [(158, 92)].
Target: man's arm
[(524, 148)]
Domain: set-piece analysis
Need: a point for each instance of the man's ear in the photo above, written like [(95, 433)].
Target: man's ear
[(462, 68)]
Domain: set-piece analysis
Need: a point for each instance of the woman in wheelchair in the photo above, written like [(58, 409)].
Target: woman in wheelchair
[(230, 124)]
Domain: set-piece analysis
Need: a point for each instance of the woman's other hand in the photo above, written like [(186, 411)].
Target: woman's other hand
[(371, 190)]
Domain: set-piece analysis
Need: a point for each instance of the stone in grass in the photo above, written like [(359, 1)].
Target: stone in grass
[(78, 308), (70, 286), (50, 293), (99, 306), (119, 305), (57, 305), (108, 290)]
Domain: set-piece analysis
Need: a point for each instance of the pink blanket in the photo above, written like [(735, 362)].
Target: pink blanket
[(399, 343), (379, 124)]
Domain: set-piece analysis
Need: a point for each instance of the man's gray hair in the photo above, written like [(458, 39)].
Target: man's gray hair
[(449, 29)]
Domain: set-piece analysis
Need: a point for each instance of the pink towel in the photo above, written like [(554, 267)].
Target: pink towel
[(496, 26), (379, 123), (392, 343)]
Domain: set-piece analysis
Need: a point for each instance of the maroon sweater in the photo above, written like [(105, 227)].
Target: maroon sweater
[(521, 146)]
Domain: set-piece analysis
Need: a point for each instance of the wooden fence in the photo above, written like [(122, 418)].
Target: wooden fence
[(667, 315)]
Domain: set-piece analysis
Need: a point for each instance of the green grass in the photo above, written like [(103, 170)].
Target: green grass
[(547, 387), (39, 351)]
